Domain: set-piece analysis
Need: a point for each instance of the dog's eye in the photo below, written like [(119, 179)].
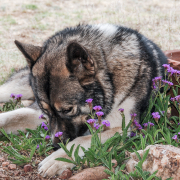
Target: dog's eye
[(66, 111)]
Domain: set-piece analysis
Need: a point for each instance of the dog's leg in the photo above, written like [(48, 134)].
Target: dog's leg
[(49, 166), (20, 119), (18, 84)]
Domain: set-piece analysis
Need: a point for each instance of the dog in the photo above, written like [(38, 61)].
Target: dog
[(113, 65)]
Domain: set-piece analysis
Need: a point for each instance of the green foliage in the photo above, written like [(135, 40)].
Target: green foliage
[(23, 147), (31, 6)]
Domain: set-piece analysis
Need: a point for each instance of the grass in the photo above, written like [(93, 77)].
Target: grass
[(157, 128), (158, 20)]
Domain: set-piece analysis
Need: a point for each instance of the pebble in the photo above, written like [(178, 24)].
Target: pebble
[(2, 159), (4, 164), (12, 166), (28, 168)]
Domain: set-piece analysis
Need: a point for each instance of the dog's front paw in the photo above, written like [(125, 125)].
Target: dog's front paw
[(51, 167)]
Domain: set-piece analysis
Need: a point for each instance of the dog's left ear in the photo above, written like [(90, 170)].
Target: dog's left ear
[(30, 52), (80, 62)]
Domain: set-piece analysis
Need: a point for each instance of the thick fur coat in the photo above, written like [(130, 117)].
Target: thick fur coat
[(113, 65)]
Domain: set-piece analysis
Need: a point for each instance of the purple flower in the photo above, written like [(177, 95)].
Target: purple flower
[(166, 66), (97, 108), (178, 133), (100, 113), (41, 116), (167, 82), (96, 126), (89, 101), (156, 116), (121, 110), (151, 124), (132, 134), (37, 147), (173, 99), (177, 98), (139, 127), (43, 125), (90, 121), (133, 115), (135, 122), (178, 123), (47, 137), (156, 79), (18, 97), (175, 137), (46, 128), (13, 95), (171, 71), (145, 124), (106, 123), (154, 87), (58, 134), (163, 112)]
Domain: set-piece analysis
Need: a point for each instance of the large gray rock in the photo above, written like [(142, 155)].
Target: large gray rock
[(164, 158)]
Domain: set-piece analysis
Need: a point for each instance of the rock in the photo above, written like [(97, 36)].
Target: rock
[(3, 176), (16, 173), (96, 173), (28, 168), (66, 174), (4, 164), (164, 158), (12, 166), (5, 168), (2, 159)]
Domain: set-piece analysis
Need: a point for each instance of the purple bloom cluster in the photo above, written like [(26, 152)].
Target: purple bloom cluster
[(171, 71), (167, 82), (99, 113), (132, 134), (177, 98), (156, 116), (89, 101), (96, 126), (137, 125), (91, 121), (175, 137), (43, 125), (121, 110), (58, 134), (156, 81), (41, 116), (146, 124), (16, 96), (106, 123), (38, 146), (97, 108), (47, 137)]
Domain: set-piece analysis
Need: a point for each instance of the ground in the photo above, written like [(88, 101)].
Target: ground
[(33, 21)]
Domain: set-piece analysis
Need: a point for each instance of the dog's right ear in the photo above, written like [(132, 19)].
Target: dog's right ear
[(30, 52)]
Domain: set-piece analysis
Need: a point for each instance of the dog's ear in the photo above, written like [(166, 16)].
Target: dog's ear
[(80, 62), (30, 52)]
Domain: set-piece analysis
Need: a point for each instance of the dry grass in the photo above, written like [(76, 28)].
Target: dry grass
[(33, 21)]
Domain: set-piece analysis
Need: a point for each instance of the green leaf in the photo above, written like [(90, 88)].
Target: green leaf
[(65, 160)]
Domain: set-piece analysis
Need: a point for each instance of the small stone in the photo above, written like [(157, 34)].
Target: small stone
[(5, 168), (2, 159), (66, 174), (2, 175), (16, 173), (28, 168), (1, 169), (4, 164), (12, 166)]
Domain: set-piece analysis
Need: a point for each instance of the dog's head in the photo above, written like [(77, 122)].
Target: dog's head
[(62, 78)]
